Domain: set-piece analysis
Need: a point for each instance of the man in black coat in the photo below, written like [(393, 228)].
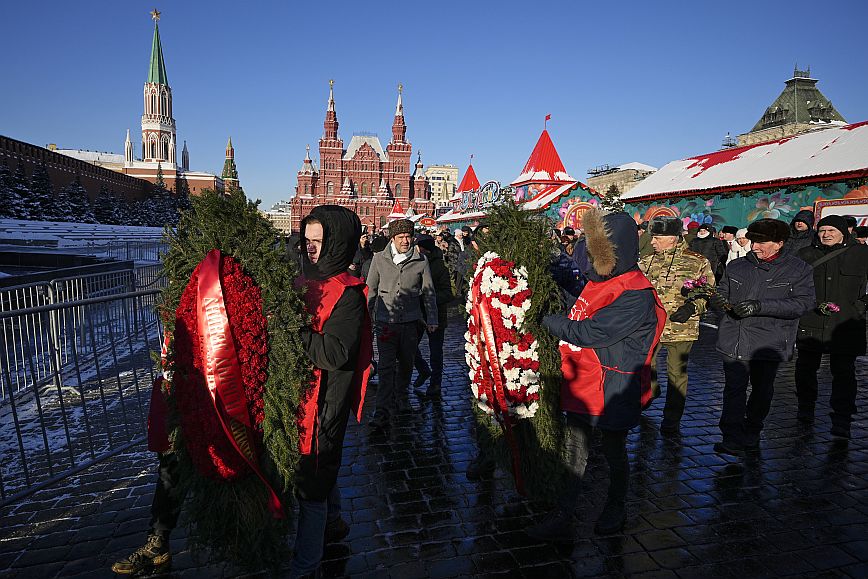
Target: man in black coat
[(443, 291), (763, 295), (801, 232), (840, 276), (715, 250)]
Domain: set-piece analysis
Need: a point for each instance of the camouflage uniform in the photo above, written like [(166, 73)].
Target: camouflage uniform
[(667, 271)]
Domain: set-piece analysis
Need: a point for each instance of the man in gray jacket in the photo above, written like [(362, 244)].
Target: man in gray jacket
[(403, 305)]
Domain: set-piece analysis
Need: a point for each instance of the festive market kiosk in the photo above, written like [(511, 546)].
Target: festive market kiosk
[(544, 186), (825, 171)]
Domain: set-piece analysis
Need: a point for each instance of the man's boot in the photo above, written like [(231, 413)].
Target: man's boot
[(805, 413), (481, 467), (559, 526), (336, 531), (151, 559), (614, 513)]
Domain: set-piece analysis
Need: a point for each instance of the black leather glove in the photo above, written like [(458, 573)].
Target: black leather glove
[(746, 308), (717, 302), (683, 313)]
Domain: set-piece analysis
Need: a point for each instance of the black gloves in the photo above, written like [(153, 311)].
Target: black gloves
[(683, 313), (717, 302), (746, 308)]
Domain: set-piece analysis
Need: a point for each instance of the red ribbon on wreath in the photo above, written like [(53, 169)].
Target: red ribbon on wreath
[(223, 372), (493, 372)]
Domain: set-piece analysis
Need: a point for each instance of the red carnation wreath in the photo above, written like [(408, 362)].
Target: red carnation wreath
[(211, 452)]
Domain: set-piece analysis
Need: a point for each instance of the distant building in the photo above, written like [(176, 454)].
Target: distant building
[(800, 108), (624, 177), (280, 216), (443, 182), (159, 144), (363, 177)]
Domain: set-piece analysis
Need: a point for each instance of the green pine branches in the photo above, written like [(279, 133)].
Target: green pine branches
[(231, 519), (523, 237)]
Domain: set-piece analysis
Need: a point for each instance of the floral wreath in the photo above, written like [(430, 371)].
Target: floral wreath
[(499, 285)]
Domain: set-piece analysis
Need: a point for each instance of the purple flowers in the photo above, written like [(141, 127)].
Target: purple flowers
[(828, 308), (697, 283)]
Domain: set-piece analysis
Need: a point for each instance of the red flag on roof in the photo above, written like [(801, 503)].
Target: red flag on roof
[(548, 117)]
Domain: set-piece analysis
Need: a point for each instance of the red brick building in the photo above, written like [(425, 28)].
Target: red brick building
[(363, 176)]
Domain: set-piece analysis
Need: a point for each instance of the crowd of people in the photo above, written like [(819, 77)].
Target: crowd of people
[(628, 292)]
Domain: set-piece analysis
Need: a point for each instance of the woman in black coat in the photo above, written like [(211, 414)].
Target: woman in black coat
[(840, 276)]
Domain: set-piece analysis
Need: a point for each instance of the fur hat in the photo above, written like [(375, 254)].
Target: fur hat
[(400, 226), (861, 231), (665, 225), (707, 227), (837, 221), (729, 229), (763, 230), (569, 231), (851, 221)]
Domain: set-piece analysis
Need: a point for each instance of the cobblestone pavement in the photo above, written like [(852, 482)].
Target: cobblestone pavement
[(800, 508)]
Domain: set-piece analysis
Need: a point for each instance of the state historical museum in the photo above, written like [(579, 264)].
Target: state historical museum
[(363, 177)]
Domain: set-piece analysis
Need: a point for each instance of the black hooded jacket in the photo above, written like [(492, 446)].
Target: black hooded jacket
[(335, 350), (800, 239)]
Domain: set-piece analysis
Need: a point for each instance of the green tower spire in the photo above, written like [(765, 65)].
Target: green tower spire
[(157, 68)]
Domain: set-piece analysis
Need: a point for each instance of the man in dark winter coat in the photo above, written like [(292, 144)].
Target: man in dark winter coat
[(763, 295), (801, 232), (339, 343), (840, 277), (607, 344), (458, 258), (715, 250), (362, 257), (443, 290), (403, 304)]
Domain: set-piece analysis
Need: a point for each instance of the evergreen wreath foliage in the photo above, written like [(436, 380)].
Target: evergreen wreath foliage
[(523, 237), (231, 520)]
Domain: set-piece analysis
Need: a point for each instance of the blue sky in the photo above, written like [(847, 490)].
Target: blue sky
[(623, 81)]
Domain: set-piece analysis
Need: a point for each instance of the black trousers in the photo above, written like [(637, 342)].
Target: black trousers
[(742, 418), (166, 505), (843, 368), (435, 347), (578, 445)]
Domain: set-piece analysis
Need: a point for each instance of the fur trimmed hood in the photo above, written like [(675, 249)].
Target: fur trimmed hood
[(612, 243)]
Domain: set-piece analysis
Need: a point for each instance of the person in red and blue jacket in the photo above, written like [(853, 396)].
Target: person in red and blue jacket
[(607, 343)]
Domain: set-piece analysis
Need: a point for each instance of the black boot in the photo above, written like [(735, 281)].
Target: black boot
[(559, 526), (840, 426), (480, 468), (336, 531), (614, 513), (151, 559), (805, 413)]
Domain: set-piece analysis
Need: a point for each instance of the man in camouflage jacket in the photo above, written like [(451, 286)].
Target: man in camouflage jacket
[(667, 269)]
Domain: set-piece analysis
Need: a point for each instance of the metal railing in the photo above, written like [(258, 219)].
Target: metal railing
[(122, 250), (27, 338), (92, 402)]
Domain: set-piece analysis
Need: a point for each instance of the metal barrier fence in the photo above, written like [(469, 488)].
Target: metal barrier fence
[(93, 400), (123, 250), (28, 339)]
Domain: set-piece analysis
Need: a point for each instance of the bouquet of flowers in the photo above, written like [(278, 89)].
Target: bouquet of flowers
[(700, 288), (829, 308)]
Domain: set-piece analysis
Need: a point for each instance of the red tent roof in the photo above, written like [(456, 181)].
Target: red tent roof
[(469, 182), (544, 164), (397, 211)]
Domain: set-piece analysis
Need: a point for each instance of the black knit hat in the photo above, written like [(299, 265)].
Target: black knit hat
[(665, 225), (729, 229), (569, 231), (425, 242), (763, 230), (400, 226), (861, 231), (851, 221), (839, 222)]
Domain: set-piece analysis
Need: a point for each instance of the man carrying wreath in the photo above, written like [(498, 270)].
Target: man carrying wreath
[(607, 343)]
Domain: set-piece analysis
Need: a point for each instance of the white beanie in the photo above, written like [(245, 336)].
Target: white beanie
[(741, 232)]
